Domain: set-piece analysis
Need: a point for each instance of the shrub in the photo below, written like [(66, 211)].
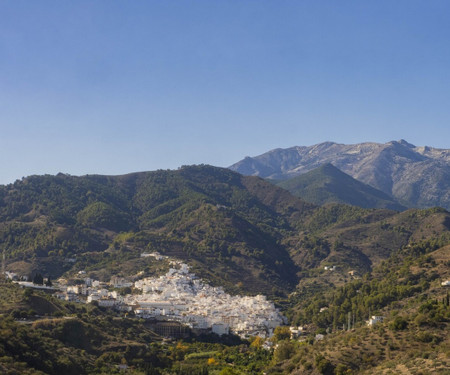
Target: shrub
[(341, 369), (398, 324), (323, 365), (281, 333), (424, 337), (284, 351)]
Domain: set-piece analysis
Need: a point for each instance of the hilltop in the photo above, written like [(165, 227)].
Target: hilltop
[(228, 226)]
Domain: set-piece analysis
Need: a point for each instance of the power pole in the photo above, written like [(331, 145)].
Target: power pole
[(3, 278), (349, 321)]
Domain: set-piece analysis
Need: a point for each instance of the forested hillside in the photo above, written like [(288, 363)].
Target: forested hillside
[(319, 263), (237, 231), (204, 214), (405, 291)]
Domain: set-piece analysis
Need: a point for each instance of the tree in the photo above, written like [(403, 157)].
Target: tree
[(281, 333), (49, 282), (212, 361), (257, 343), (398, 324), (150, 370), (38, 279), (228, 371), (285, 350), (323, 365)]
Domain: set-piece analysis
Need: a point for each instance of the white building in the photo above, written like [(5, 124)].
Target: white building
[(155, 255), (180, 296), (296, 332), (72, 297), (11, 275), (93, 297), (107, 302), (374, 320), (220, 329), (120, 282)]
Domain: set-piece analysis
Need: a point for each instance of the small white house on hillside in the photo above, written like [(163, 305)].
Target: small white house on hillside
[(374, 320)]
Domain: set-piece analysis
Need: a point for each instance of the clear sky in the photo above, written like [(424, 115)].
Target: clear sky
[(112, 87)]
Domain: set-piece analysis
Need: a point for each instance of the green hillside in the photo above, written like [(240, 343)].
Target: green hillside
[(42, 335), (211, 217), (327, 184), (413, 337), (237, 231)]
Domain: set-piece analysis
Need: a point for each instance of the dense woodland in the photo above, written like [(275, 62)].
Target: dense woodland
[(239, 232)]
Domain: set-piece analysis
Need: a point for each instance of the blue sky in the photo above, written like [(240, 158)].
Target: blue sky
[(112, 87)]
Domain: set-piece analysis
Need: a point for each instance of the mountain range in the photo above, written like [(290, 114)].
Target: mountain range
[(414, 176)]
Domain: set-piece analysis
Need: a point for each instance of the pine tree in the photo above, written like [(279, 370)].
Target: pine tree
[(38, 279)]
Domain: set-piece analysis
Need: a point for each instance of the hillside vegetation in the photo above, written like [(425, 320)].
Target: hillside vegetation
[(210, 216), (42, 335), (327, 184), (413, 338), (319, 263), (237, 231)]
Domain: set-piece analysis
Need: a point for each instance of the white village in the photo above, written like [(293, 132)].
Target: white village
[(179, 296)]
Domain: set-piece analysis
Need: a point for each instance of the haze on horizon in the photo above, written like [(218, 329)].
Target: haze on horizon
[(114, 87)]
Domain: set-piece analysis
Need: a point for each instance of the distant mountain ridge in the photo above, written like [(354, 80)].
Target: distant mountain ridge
[(328, 184), (415, 176)]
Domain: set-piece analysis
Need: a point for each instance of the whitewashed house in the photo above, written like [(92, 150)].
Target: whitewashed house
[(220, 329), (374, 320)]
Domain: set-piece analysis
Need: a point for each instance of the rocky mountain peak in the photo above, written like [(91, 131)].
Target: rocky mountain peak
[(417, 176)]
